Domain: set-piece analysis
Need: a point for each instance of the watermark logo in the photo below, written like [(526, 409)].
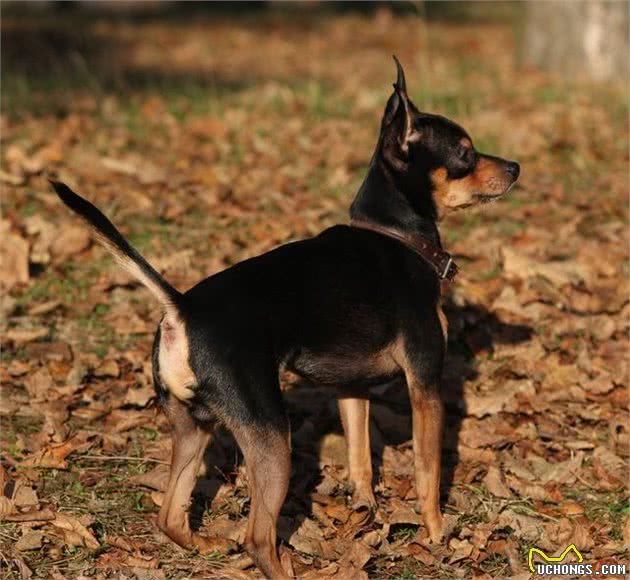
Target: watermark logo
[(552, 559), (556, 566)]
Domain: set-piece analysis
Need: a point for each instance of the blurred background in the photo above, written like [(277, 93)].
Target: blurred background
[(211, 132)]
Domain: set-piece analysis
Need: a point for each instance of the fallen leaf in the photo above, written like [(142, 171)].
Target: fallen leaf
[(495, 483), (460, 549), (108, 368), (307, 537), (51, 456), (30, 541), (14, 258), (358, 555), (21, 336), (74, 532), (70, 240)]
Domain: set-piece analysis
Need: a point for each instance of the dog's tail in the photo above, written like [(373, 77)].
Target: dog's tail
[(126, 255)]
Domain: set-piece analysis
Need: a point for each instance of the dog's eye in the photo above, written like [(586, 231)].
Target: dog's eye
[(463, 152)]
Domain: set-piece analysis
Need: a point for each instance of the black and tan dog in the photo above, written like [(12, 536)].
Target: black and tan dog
[(352, 307)]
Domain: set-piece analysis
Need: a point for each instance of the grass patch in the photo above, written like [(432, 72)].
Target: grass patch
[(496, 565), (403, 532), (611, 508)]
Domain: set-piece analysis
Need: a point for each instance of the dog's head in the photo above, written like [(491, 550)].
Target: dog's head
[(427, 151)]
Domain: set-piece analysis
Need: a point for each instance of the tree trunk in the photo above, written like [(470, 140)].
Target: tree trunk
[(578, 38)]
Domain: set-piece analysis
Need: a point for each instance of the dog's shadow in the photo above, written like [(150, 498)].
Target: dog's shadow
[(316, 427)]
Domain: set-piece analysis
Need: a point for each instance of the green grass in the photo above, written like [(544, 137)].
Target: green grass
[(497, 565), (407, 573), (403, 533), (214, 559), (611, 508)]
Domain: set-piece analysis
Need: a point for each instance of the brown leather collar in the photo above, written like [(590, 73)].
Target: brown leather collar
[(442, 261)]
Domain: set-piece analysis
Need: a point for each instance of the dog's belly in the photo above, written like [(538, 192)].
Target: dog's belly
[(345, 370)]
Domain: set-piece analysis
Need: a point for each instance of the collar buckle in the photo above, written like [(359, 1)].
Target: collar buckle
[(449, 271)]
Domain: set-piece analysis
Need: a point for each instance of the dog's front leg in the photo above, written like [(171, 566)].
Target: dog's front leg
[(428, 419), (355, 417)]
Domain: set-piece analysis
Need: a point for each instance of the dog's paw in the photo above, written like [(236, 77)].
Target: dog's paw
[(435, 527), (364, 499), (205, 545)]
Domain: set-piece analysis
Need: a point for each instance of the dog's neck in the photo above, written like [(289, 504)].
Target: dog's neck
[(381, 199)]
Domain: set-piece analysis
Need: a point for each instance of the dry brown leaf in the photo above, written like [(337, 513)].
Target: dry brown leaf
[(18, 368), (7, 507), (561, 472), (14, 258), (52, 456), (404, 515), (139, 396), (31, 516), (121, 420), (142, 561), (56, 414), (486, 433), (38, 385), (337, 512), (528, 490), (71, 240), (598, 386), (571, 508), (74, 532), (25, 496), (612, 463), (420, 553), (495, 482), (460, 549), (10, 178), (31, 540), (23, 569), (21, 336), (43, 307), (136, 166), (518, 265), (525, 527), (566, 532), (307, 538), (358, 555), (108, 368), (126, 321), (156, 479), (504, 398), (469, 454)]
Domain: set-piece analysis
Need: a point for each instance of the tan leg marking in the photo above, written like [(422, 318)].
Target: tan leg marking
[(189, 444), (268, 460), (443, 322), (428, 419), (355, 417)]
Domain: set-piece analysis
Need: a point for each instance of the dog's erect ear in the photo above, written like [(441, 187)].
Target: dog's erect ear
[(397, 127)]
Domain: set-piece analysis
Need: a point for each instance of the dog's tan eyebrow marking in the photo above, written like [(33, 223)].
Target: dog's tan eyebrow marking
[(466, 142)]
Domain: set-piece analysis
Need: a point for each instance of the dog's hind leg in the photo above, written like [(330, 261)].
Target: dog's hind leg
[(355, 417), (189, 444), (267, 453)]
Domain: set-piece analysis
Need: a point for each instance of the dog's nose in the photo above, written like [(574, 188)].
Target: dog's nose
[(513, 169)]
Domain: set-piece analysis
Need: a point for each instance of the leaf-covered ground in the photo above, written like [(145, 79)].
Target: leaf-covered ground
[(211, 139)]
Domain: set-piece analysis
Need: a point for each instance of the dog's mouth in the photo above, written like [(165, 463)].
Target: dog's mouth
[(490, 197), (482, 198)]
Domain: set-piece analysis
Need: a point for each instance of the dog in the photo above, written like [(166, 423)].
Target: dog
[(355, 306)]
